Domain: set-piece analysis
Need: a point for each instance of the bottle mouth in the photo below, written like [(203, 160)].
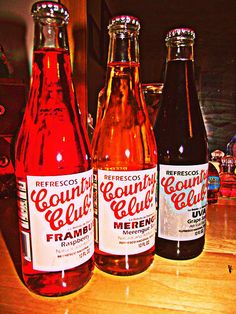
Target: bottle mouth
[(178, 36), (49, 9), (124, 23)]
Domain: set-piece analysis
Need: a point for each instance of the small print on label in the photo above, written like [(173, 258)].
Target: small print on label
[(126, 211)]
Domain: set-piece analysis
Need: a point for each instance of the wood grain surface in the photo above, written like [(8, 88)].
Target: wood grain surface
[(206, 284)]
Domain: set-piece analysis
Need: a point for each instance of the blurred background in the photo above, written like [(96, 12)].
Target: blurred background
[(215, 50)]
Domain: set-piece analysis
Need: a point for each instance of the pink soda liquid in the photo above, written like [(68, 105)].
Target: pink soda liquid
[(51, 142)]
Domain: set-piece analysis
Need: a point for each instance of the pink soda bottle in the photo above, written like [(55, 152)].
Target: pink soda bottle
[(53, 167)]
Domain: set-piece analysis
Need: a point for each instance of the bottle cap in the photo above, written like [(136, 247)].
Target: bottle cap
[(217, 154), (180, 33), (50, 9), (124, 22)]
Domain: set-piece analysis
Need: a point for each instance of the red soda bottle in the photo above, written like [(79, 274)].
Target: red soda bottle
[(183, 155), (53, 167), (228, 176), (124, 161)]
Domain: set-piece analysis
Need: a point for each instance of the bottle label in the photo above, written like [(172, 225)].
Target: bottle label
[(182, 202), (213, 183), (125, 210), (60, 220)]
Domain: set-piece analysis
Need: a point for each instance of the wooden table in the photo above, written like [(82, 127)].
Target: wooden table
[(206, 284)]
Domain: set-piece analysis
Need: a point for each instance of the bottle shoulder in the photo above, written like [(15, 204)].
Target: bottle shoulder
[(49, 146), (130, 146), (108, 134)]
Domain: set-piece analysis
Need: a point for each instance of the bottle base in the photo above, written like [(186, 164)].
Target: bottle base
[(56, 284), (179, 250), (122, 265)]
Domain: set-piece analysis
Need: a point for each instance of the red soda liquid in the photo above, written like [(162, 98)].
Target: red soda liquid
[(51, 142), (122, 142)]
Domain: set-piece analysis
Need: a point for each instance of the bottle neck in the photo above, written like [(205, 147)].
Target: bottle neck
[(228, 169), (51, 50), (51, 69), (50, 33), (123, 62), (123, 47), (180, 65), (228, 164), (180, 51)]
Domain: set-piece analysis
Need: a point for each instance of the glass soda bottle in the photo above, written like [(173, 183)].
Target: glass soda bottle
[(228, 176), (53, 167), (124, 161), (213, 186), (152, 94), (182, 154)]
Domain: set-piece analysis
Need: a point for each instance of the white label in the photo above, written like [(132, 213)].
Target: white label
[(61, 220), (23, 211), (182, 202), (126, 211)]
